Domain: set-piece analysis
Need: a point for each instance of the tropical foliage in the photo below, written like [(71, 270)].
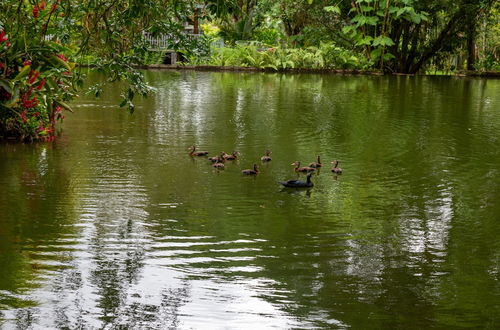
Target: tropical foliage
[(403, 36), (41, 40), (325, 56), (36, 76)]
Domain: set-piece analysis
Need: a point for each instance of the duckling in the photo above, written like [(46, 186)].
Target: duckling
[(193, 152), (255, 171), (302, 169), (316, 164), (335, 169), (266, 158), (219, 164), (232, 156), (298, 183), (214, 159)]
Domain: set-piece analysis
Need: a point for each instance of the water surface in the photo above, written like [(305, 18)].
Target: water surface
[(114, 225)]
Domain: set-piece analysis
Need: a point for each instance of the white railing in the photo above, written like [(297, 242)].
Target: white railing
[(165, 41)]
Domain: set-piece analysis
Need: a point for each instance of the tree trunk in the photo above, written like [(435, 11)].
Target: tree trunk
[(437, 45), (471, 47)]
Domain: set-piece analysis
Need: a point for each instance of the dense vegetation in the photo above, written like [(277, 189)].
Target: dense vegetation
[(40, 42), (402, 36)]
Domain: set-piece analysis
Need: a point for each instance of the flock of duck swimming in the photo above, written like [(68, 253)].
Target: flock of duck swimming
[(219, 161)]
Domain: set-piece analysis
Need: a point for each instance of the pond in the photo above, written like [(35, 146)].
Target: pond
[(114, 226)]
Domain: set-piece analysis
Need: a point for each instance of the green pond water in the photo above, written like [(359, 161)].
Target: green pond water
[(114, 226)]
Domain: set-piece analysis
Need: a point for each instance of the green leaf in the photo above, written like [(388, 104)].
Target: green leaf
[(6, 85), (376, 53), (415, 19), (347, 29), (63, 105), (388, 56), (23, 73), (393, 9), (383, 41), (364, 41), (401, 11), (332, 9), (358, 19), (372, 20), (61, 62), (362, 20)]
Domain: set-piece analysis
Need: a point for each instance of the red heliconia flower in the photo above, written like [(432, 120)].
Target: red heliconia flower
[(2, 36), (54, 7), (49, 130), (23, 116), (26, 102), (27, 62), (40, 86), (62, 57), (35, 11), (33, 76), (41, 5)]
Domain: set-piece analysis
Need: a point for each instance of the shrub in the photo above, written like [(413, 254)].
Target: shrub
[(326, 56), (36, 77)]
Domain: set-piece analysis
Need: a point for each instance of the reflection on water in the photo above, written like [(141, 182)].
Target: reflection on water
[(113, 225)]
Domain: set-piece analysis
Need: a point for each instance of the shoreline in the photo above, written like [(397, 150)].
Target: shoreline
[(215, 68)]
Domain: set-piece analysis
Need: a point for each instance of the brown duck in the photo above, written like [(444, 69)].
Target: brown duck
[(219, 164), (266, 157), (193, 152), (251, 172), (232, 156), (316, 164), (335, 169), (302, 169), (215, 159)]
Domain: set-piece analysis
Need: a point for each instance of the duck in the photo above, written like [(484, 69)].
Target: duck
[(215, 159), (316, 164), (266, 157), (255, 171), (302, 169), (219, 164), (193, 152), (232, 156), (335, 169), (297, 183)]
